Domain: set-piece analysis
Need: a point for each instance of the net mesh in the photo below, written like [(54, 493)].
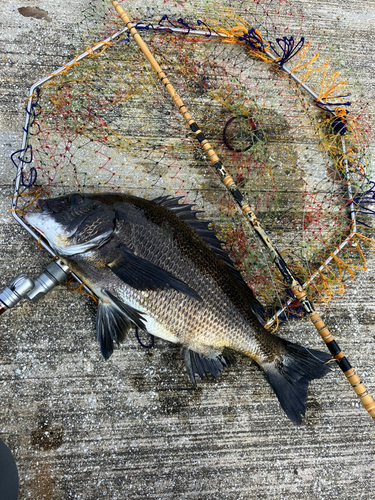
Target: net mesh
[(105, 123)]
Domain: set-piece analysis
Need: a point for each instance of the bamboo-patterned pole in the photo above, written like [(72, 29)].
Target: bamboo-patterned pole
[(296, 288)]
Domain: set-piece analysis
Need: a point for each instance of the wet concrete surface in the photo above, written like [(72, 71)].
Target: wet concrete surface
[(134, 427)]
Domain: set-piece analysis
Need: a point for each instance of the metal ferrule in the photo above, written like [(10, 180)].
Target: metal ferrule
[(17, 290), (306, 304), (55, 273)]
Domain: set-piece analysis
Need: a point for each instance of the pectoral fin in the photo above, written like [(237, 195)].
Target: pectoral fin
[(141, 274)]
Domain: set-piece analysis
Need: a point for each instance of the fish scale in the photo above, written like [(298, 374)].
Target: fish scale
[(155, 265), (206, 326), (220, 324)]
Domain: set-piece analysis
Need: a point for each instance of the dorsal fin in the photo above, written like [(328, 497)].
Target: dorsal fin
[(200, 227)]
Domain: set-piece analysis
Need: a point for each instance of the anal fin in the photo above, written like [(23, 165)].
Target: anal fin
[(198, 364)]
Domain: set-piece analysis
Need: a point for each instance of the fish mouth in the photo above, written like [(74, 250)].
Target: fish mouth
[(39, 231), (29, 219)]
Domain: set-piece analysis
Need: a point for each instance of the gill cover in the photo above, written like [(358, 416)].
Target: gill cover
[(74, 224)]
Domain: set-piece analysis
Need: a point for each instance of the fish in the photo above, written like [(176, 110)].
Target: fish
[(155, 265)]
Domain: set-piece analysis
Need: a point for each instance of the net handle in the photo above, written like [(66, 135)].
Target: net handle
[(295, 287)]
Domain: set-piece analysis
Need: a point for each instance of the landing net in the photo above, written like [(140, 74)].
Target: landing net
[(104, 123)]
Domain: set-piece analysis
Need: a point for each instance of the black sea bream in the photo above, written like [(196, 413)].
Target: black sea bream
[(155, 265)]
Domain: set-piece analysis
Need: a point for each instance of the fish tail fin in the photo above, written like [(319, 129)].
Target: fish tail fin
[(290, 374)]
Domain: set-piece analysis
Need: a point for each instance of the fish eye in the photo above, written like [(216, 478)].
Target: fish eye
[(75, 199)]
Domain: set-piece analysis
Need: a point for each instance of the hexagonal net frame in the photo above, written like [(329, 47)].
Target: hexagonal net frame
[(276, 113)]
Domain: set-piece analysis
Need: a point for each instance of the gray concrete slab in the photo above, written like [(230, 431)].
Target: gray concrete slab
[(133, 427)]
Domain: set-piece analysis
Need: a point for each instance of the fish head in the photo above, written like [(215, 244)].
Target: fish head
[(74, 223)]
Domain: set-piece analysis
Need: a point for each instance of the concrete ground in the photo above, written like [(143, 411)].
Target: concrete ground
[(133, 427)]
